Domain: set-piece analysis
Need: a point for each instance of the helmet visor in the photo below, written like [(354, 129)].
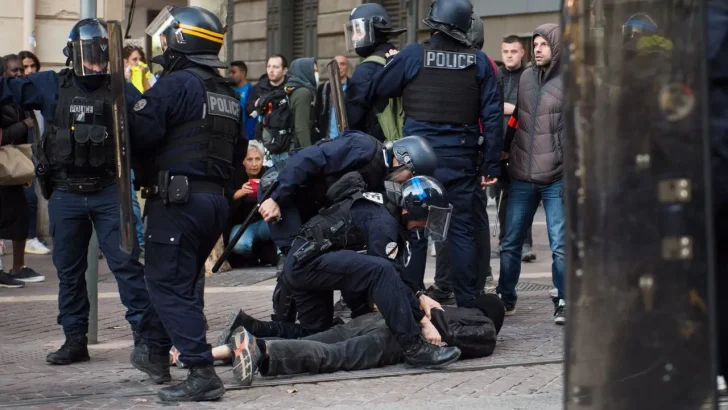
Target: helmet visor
[(91, 57), (359, 33), (162, 22), (438, 223)]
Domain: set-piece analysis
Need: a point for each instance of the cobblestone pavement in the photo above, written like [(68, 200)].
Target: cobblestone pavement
[(524, 371)]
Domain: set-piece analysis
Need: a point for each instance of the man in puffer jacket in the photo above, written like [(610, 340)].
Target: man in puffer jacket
[(534, 148)]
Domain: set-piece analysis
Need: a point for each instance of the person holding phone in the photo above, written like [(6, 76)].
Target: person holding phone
[(244, 199)]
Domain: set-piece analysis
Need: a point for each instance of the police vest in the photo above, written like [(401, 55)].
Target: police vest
[(214, 136), (445, 89), (79, 141)]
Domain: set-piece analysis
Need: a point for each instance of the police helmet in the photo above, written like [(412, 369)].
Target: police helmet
[(413, 153), (638, 25), (452, 17), (425, 199), (367, 25), (88, 48), (193, 31), (476, 34)]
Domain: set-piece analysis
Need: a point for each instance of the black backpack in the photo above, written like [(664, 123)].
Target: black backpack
[(277, 121)]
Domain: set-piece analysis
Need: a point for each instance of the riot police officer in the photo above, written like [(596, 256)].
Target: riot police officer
[(190, 120), (308, 174), (368, 33), (447, 87), (321, 259), (76, 173)]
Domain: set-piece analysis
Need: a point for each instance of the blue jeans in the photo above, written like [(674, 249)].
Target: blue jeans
[(72, 216), (257, 232), (278, 157), (137, 212), (522, 205)]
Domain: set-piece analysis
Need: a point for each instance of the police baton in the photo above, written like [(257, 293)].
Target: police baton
[(243, 227)]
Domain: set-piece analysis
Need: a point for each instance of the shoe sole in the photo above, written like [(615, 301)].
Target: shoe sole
[(211, 395), (242, 363), (33, 252), (4, 285), (37, 279), (510, 312), (67, 362), (560, 321), (155, 379)]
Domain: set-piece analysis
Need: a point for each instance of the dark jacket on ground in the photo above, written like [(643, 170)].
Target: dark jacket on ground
[(536, 130), (262, 88)]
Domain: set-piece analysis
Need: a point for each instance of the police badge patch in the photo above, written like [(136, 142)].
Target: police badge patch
[(374, 197), (391, 250), (140, 105)]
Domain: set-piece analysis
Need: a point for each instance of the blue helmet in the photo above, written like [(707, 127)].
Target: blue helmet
[(425, 199)]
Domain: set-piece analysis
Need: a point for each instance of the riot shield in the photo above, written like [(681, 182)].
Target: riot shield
[(121, 136), (640, 331), (337, 97)]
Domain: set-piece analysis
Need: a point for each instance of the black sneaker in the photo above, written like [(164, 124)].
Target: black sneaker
[(8, 281), (560, 313), (28, 275), (246, 356), (527, 254)]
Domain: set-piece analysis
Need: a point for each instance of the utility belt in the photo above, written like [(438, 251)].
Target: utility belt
[(176, 189), (83, 185)]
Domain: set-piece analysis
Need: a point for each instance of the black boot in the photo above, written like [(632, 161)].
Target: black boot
[(423, 354), (202, 384), (74, 350), (154, 363)]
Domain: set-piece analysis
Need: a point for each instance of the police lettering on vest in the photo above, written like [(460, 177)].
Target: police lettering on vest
[(223, 106), (448, 60)]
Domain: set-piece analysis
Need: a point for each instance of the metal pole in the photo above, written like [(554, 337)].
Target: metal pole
[(29, 25), (413, 7), (88, 10), (229, 22)]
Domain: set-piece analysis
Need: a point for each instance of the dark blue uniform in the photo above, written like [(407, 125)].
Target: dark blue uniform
[(179, 237), (717, 49), (71, 216), (361, 106), (375, 273), (460, 165), (350, 151)]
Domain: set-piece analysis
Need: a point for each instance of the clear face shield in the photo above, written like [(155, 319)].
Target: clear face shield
[(359, 33), (438, 223), (161, 23), (91, 57)]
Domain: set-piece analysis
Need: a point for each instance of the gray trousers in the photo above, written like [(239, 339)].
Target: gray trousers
[(364, 343)]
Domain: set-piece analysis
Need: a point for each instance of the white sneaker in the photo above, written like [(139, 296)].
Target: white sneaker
[(554, 293), (36, 247), (721, 385), (2, 247)]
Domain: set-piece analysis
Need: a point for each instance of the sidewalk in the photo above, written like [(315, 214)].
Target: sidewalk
[(525, 368)]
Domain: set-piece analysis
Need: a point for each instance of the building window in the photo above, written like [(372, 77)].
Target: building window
[(292, 20), (397, 10)]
